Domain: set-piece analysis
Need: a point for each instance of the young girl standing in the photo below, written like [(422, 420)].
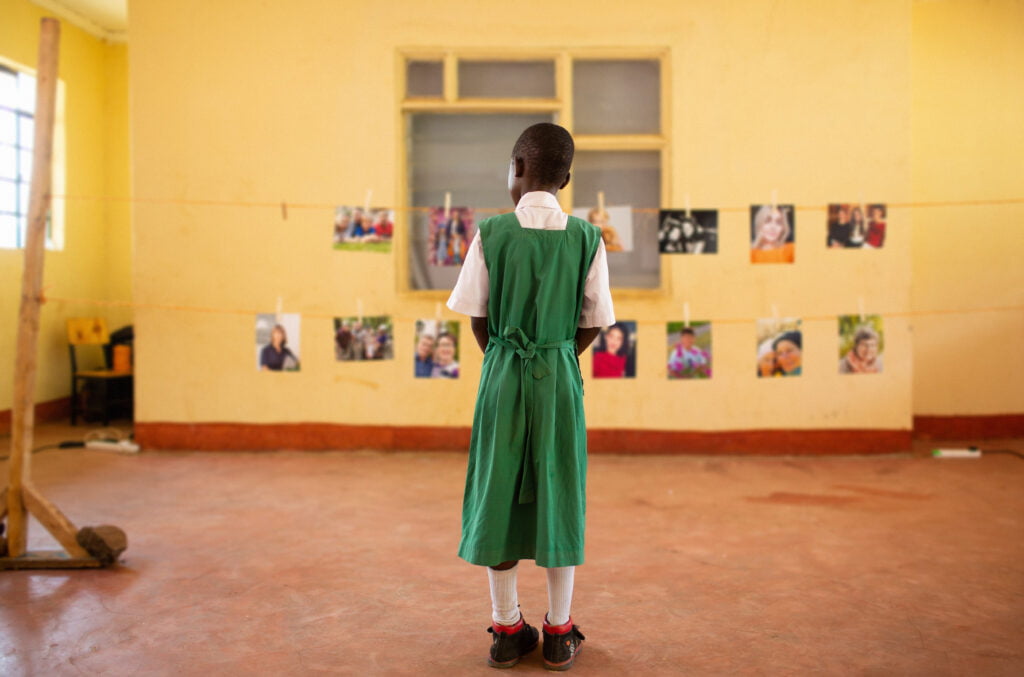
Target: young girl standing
[(535, 284)]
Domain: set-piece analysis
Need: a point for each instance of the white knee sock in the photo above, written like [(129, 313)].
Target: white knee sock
[(560, 580), (504, 598)]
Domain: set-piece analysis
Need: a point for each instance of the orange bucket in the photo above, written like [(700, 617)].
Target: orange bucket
[(122, 358)]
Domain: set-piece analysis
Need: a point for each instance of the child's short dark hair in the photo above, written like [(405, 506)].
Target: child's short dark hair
[(548, 149)]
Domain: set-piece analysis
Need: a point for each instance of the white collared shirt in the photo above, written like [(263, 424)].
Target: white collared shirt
[(540, 210)]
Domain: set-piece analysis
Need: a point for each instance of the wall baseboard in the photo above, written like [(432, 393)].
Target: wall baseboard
[(968, 427), (52, 410), (324, 436)]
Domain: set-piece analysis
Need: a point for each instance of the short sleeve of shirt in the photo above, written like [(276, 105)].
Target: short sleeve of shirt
[(597, 296), (473, 287)]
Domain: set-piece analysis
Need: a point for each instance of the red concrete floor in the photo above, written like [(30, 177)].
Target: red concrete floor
[(344, 563)]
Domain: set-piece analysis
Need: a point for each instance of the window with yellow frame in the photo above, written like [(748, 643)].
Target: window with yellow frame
[(461, 111)]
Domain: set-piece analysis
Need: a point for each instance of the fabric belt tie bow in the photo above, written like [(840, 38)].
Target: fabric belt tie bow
[(533, 365)]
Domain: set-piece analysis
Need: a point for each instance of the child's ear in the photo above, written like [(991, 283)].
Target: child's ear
[(566, 182), (520, 167)]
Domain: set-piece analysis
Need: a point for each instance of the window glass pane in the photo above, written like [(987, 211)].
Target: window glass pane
[(25, 168), (507, 79), (8, 127), (8, 231), (8, 162), (26, 93), (627, 178), (23, 192), (8, 87), (8, 196), (424, 78), (616, 97), (467, 155), (26, 125)]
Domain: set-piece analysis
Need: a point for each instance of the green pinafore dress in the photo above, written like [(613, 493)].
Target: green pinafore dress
[(526, 481)]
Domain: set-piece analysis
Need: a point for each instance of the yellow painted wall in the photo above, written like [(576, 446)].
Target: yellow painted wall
[(296, 101), (968, 144), (95, 260)]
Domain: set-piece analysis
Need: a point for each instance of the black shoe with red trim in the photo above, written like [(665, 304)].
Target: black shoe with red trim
[(511, 642), (561, 645)]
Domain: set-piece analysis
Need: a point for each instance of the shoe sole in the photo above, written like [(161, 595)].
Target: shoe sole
[(512, 663), (563, 666)]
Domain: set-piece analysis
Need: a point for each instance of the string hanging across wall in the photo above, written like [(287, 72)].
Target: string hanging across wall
[(384, 323)]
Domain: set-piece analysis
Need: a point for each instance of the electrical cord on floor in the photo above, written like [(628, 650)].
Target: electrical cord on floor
[(100, 439), (1003, 451), (69, 444)]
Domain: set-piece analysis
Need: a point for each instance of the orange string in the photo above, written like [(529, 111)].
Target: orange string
[(734, 320), (496, 210)]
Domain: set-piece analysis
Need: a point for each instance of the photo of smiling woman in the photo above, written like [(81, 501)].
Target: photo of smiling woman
[(615, 351), (772, 233), (437, 349), (779, 347), (277, 342), (860, 344)]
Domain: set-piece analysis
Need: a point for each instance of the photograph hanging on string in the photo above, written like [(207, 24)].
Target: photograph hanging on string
[(693, 233), (772, 234), (437, 349), (689, 350), (856, 226), (779, 347), (449, 238), (615, 351), (616, 224), (362, 229), (363, 338), (277, 341), (861, 344)]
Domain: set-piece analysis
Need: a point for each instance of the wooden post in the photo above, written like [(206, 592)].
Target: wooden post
[(23, 410)]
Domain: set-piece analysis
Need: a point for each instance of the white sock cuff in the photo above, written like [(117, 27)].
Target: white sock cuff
[(504, 596), (560, 586)]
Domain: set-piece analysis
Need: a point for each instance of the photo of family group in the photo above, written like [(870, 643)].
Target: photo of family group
[(277, 342), (772, 233), (615, 351), (854, 226), (437, 349), (360, 229), (449, 236), (861, 344), (695, 232), (689, 350), (616, 224), (779, 347), (363, 338)]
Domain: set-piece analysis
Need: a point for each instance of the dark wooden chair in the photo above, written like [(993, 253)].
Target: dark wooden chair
[(99, 392)]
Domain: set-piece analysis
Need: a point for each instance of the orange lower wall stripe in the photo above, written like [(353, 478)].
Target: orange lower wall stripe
[(53, 410), (969, 427), (325, 436)]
